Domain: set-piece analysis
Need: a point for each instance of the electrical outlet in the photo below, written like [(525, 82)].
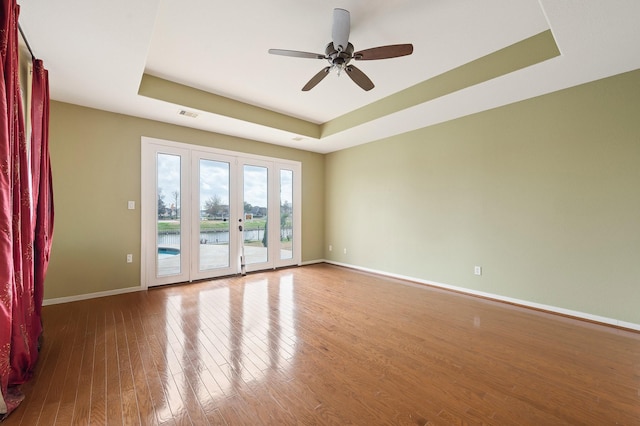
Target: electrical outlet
[(131, 205), (477, 270), (330, 247), (129, 258), (345, 251)]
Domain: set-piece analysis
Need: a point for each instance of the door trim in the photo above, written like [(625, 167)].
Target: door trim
[(148, 146)]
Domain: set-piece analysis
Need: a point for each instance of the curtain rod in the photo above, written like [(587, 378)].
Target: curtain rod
[(26, 41)]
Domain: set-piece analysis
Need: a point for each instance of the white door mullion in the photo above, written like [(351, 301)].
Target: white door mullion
[(191, 255)]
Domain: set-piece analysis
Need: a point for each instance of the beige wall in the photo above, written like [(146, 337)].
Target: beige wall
[(543, 194), (95, 158)]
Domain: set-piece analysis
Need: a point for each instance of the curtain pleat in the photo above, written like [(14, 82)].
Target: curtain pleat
[(26, 217), (42, 182), (11, 244)]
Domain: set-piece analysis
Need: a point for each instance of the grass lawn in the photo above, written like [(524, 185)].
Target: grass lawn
[(212, 225)]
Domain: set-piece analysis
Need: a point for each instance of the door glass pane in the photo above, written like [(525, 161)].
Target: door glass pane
[(214, 215), (286, 214), (255, 214), (168, 242)]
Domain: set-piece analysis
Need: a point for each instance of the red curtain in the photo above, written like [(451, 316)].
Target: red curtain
[(42, 183), (25, 209)]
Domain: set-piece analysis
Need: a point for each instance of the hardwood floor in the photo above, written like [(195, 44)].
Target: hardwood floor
[(322, 344)]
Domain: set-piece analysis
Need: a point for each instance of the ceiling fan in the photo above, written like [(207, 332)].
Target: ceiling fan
[(339, 52)]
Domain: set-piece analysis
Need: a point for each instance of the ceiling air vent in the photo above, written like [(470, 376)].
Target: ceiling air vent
[(188, 113)]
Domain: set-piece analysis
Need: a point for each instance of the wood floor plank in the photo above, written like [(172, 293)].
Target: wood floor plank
[(114, 397), (75, 366), (82, 402), (322, 344), (146, 370), (144, 399), (64, 373), (97, 397)]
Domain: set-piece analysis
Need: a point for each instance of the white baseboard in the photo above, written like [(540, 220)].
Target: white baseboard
[(520, 302), (312, 262), (68, 299), (409, 281)]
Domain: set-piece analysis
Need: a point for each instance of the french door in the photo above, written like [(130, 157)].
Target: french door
[(208, 212)]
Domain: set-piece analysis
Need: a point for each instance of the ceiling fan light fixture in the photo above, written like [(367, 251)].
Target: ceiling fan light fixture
[(339, 52)]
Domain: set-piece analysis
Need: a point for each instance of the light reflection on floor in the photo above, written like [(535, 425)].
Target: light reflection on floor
[(222, 339)]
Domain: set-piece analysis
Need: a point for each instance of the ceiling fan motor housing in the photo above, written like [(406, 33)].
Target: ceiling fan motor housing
[(339, 58)]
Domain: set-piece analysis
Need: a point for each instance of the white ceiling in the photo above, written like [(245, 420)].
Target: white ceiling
[(97, 52)]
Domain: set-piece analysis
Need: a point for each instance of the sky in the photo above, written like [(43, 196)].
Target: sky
[(214, 178)]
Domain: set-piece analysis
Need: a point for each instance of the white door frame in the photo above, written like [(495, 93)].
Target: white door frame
[(196, 273), (148, 207)]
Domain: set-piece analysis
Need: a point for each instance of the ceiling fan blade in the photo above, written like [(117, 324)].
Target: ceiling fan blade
[(316, 79), (384, 52), (341, 28), (296, 54), (359, 77)]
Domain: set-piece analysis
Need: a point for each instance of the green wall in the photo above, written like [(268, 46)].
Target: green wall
[(95, 158), (543, 194)]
